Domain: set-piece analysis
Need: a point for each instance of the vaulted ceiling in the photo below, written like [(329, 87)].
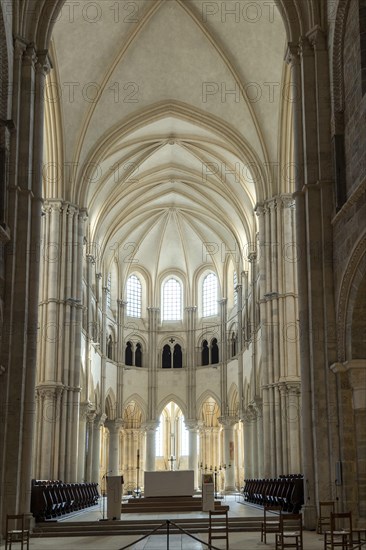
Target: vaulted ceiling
[(167, 120)]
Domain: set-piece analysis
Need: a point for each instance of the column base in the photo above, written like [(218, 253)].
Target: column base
[(230, 489), (310, 517)]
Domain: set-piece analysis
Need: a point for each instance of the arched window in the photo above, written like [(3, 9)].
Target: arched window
[(177, 357), (138, 355), (128, 354), (214, 352), (210, 295), (110, 347), (133, 296), (235, 281), (167, 357), (205, 353), (233, 344), (172, 300), (109, 288)]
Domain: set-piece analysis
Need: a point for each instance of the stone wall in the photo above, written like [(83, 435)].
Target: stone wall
[(355, 101)]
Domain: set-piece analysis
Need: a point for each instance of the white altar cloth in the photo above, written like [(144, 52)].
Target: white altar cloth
[(168, 483)]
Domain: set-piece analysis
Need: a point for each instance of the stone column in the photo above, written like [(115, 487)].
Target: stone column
[(85, 408), (120, 357), (191, 366), (114, 428), (150, 428), (193, 455), (90, 444), (98, 423), (228, 424), (121, 326), (154, 314), (356, 370), (248, 470), (48, 440), (293, 426), (103, 344), (61, 325)]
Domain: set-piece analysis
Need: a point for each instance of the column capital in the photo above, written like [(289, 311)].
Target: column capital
[(53, 205), (20, 46), (190, 309), (114, 425), (292, 53), (252, 412), (49, 390), (100, 419), (317, 38), (30, 56), (228, 421), (150, 426), (192, 425), (122, 303), (90, 259), (305, 47), (44, 64)]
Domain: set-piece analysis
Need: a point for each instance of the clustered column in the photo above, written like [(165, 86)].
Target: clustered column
[(60, 321)]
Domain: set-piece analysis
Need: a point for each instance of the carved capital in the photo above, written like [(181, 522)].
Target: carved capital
[(30, 56), (49, 391), (114, 426), (317, 38), (305, 47), (228, 421), (99, 420), (292, 53), (150, 426), (43, 64)]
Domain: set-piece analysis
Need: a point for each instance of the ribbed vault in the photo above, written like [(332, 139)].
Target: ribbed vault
[(168, 125)]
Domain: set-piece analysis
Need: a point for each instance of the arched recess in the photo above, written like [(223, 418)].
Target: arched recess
[(110, 405), (209, 410), (206, 395), (137, 400), (352, 283), (233, 399), (166, 400), (133, 415)]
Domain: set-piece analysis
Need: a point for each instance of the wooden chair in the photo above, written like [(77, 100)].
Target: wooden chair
[(218, 530), (290, 532), (326, 507), (14, 534), (270, 523), (340, 533)]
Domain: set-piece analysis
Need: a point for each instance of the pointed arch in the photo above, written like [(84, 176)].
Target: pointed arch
[(166, 400), (110, 404), (135, 397)]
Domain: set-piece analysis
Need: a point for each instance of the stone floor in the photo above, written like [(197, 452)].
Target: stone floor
[(237, 541)]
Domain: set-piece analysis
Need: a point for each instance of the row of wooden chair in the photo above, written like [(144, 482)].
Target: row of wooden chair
[(284, 491), (337, 528), (287, 528), (50, 499)]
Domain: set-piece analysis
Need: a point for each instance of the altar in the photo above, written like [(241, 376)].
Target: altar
[(169, 483)]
